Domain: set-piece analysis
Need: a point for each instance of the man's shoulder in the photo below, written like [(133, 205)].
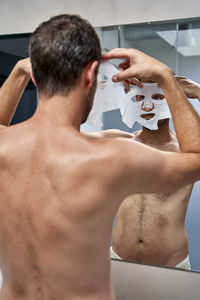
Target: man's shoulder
[(109, 133), (4, 134), (2, 127), (5, 146), (13, 139)]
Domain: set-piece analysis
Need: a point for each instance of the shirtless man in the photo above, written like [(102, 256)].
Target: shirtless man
[(150, 227), (60, 190), (129, 237)]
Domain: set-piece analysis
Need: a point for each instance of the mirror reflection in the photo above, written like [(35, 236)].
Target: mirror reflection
[(159, 229)]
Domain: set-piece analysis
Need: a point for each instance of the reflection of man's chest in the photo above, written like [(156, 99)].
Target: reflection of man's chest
[(155, 209)]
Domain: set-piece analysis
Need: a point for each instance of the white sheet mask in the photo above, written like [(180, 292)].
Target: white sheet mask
[(133, 110), (109, 95)]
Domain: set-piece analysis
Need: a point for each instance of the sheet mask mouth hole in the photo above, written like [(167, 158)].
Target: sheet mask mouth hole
[(147, 116)]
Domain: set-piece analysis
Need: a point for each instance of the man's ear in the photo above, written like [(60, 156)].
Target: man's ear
[(90, 74), (32, 77)]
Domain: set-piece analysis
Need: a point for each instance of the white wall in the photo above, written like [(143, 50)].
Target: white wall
[(21, 16)]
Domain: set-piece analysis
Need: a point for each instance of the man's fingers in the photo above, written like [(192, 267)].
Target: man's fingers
[(137, 82), (180, 77), (123, 75), (116, 53), (126, 86), (127, 75), (124, 65)]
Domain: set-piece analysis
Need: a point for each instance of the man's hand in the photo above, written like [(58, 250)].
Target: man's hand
[(189, 87), (138, 66), (24, 66)]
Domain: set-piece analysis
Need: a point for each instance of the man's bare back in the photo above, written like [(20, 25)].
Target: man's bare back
[(49, 229)]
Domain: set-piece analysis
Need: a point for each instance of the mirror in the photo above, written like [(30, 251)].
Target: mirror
[(150, 228), (177, 44)]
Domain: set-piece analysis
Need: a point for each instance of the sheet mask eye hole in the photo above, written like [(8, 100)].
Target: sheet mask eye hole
[(158, 97), (133, 99), (139, 97)]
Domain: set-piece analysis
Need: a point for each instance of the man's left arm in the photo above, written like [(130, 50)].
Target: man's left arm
[(12, 90), (190, 88)]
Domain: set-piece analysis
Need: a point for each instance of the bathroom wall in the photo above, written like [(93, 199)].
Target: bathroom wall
[(23, 16)]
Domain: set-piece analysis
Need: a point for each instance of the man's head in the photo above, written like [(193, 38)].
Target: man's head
[(60, 49)]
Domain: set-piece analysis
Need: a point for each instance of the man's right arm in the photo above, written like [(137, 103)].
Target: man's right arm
[(135, 168), (12, 89)]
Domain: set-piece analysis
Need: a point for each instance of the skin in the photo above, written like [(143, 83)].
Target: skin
[(56, 220), (190, 88), (150, 227)]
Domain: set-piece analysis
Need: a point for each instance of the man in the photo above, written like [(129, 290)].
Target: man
[(150, 227), (60, 190), (128, 237)]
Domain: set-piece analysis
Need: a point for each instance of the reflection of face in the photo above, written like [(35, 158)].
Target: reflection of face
[(146, 105), (148, 108)]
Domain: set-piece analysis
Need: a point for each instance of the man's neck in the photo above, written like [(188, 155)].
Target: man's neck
[(62, 110), (156, 137)]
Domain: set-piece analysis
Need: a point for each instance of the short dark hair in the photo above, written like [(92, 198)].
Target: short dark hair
[(59, 50)]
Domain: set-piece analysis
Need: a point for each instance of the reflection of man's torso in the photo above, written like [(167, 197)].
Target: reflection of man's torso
[(150, 227)]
